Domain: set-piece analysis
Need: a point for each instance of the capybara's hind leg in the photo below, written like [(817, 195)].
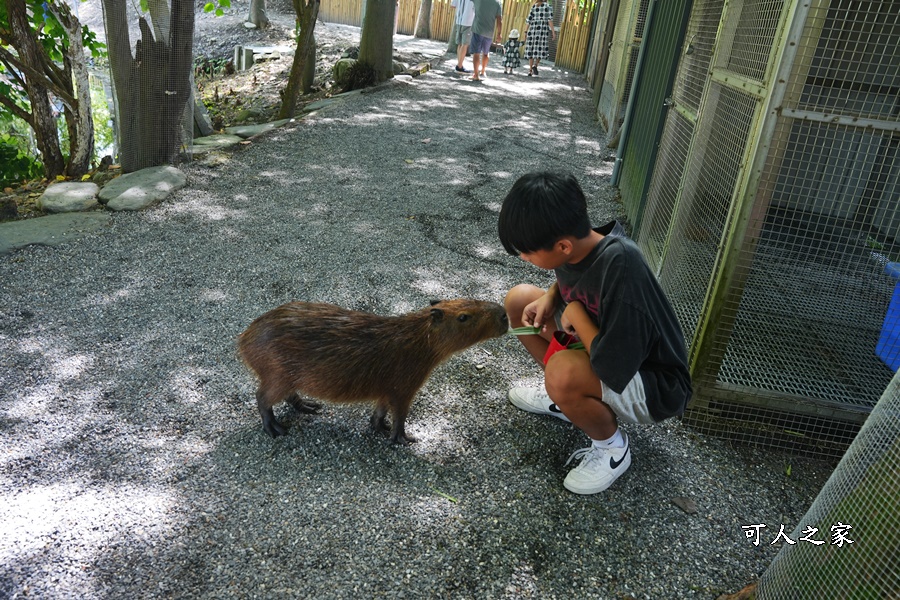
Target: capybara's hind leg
[(399, 410), (304, 405), (378, 420), (270, 423)]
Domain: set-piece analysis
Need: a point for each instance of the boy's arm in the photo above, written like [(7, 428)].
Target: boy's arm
[(576, 320)]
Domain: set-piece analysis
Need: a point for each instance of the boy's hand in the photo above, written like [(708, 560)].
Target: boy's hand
[(536, 313)]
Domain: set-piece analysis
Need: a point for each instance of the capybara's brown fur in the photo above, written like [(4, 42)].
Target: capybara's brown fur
[(340, 355)]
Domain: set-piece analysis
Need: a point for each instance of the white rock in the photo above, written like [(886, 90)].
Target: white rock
[(69, 196), (134, 191)]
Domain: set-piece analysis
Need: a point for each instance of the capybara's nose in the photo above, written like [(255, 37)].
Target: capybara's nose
[(504, 319)]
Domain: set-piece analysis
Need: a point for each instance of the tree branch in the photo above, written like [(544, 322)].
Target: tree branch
[(17, 110), (11, 59)]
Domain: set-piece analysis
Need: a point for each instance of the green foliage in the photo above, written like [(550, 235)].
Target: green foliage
[(17, 164), (219, 6)]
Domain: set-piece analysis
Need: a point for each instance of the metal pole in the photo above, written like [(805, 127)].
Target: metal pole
[(626, 122)]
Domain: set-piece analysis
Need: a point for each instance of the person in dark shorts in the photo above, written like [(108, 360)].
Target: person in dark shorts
[(487, 24)]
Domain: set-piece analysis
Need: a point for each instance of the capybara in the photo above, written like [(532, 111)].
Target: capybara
[(340, 355)]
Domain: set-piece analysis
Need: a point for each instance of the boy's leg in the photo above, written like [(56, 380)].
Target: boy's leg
[(476, 65), (573, 393), (573, 386), (461, 55)]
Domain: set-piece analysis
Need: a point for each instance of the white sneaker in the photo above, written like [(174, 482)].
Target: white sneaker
[(598, 469), (535, 401)]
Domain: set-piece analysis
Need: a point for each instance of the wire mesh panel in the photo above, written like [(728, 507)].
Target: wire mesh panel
[(678, 131), (622, 61), (813, 304), (710, 179), (694, 66), (848, 543), (777, 240)]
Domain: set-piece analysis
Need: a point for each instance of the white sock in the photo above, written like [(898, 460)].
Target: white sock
[(616, 441)]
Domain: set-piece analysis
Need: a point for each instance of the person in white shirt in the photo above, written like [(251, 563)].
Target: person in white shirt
[(465, 14)]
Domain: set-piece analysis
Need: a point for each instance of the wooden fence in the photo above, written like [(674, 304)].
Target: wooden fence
[(346, 12), (571, 45), (575, 36)]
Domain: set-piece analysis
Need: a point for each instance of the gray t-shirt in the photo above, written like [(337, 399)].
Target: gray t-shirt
[(639, 332), (486, 13)]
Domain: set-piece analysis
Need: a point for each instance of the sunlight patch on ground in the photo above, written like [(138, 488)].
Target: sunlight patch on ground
[(70, 367), (430, 286), (37, 399), (201, 205), (601, 170), (186, 383), (373, 117), (367, 228), (586, 145), (127, 291), (32, 520), (275, 174), (504, 176), (58, 363), (213, 295), (485, 250), (406, 106)]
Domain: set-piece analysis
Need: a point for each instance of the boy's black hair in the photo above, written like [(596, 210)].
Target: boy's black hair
[(540, 209)]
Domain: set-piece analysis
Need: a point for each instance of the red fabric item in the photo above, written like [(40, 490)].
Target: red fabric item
[(561, 341)]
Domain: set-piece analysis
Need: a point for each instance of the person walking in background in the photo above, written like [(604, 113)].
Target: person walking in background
[(465, 14), (487, 24), (511, 52), (538, 33)]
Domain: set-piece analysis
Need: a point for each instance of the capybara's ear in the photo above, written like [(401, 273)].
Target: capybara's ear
[(437, 314), (433, 302)]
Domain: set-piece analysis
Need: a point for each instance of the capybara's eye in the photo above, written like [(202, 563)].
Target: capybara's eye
[(462, 318)]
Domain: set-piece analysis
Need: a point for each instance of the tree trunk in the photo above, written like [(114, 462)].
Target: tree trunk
[(258, 14), (309, 68), (152, 86), (43, 121), (423, 22), (376, 44), (161, 18), (307, 12), (79, 120)]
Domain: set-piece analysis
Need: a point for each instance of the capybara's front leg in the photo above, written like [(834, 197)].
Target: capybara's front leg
[(270, 423)]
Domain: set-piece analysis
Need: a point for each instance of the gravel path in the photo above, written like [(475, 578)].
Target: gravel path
[(132, 459)]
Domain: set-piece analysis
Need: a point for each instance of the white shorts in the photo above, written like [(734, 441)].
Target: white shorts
[(631, 405)]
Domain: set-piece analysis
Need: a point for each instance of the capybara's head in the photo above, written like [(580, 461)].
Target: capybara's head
[(458, 324)]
